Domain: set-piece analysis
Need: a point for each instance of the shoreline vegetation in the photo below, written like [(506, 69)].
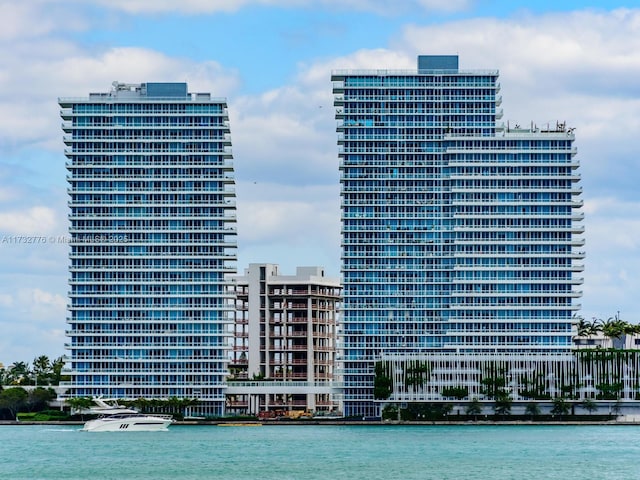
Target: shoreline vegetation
[(459, 417), (600, 386), (241, 423)]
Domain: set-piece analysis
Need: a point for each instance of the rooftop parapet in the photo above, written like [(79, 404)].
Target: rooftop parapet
[(150, 91)]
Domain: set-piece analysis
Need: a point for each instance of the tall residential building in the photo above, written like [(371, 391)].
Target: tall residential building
[(153, 241), (285, 333), (458, 235)]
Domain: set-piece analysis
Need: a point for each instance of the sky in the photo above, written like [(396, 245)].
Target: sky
[(573, 61)]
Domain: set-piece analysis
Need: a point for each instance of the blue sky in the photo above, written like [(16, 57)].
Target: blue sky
[(272, 60)]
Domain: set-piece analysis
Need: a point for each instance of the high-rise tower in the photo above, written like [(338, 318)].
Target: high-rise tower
[(152, 225), (458, 235)]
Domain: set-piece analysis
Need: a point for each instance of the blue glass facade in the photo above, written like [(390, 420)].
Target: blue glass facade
[(458, 234), (153, 241)]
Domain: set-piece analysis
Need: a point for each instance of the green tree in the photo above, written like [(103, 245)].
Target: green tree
[(583, 327), (42, 370), (589, 405), (382, 385), (532, 409), (18, 373), (609, 391), (560, 407), (56, 368), (141, 404), (39, 398), (502, 405), (79, 405), (185, 403), (474, 408), (446, 409), (616, 408), (615, 328), (493, 387), (455, 392), (416, 373), (595, 326), (390, 412), (177, 406), (13, 399)]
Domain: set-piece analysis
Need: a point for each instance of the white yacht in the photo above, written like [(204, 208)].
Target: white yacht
[(116, 418)]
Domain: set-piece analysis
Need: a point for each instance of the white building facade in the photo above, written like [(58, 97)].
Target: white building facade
[(153, 240), (459, 235)]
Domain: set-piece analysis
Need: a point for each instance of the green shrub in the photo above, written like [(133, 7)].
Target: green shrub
[(44, 416), (455, 392)]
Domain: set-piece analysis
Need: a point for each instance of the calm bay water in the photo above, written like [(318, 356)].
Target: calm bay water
[(323, 452)]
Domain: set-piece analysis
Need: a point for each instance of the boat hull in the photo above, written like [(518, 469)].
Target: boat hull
[(127, 424)]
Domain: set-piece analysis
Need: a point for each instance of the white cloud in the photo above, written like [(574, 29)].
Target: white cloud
[(289, 222), (86, 72), (385, 7), (6, 300), (32, 323), (543, 53), (185, 6), (47, 300), (7, 193), (612, 263), (28, 97), (267, 221), (36, 18), (213, 6), (579, 67), (610, 207), (365, 59), (39, 220)]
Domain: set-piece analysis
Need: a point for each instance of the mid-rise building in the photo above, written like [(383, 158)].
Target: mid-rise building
[(152, 220), (284, 340), (459, 234)]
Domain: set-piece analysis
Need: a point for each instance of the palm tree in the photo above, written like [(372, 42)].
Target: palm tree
[(18, 373), (42, 369), (532, 409), (615, 329), (587, 329), (595, 326), (79, 405), (584, 327), (56, 368), (185, 403), (589, 405), (616, 408), (474, 408), (502, 405), (560, 407)]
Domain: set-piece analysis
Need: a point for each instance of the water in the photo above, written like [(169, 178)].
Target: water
[(323, 452)]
